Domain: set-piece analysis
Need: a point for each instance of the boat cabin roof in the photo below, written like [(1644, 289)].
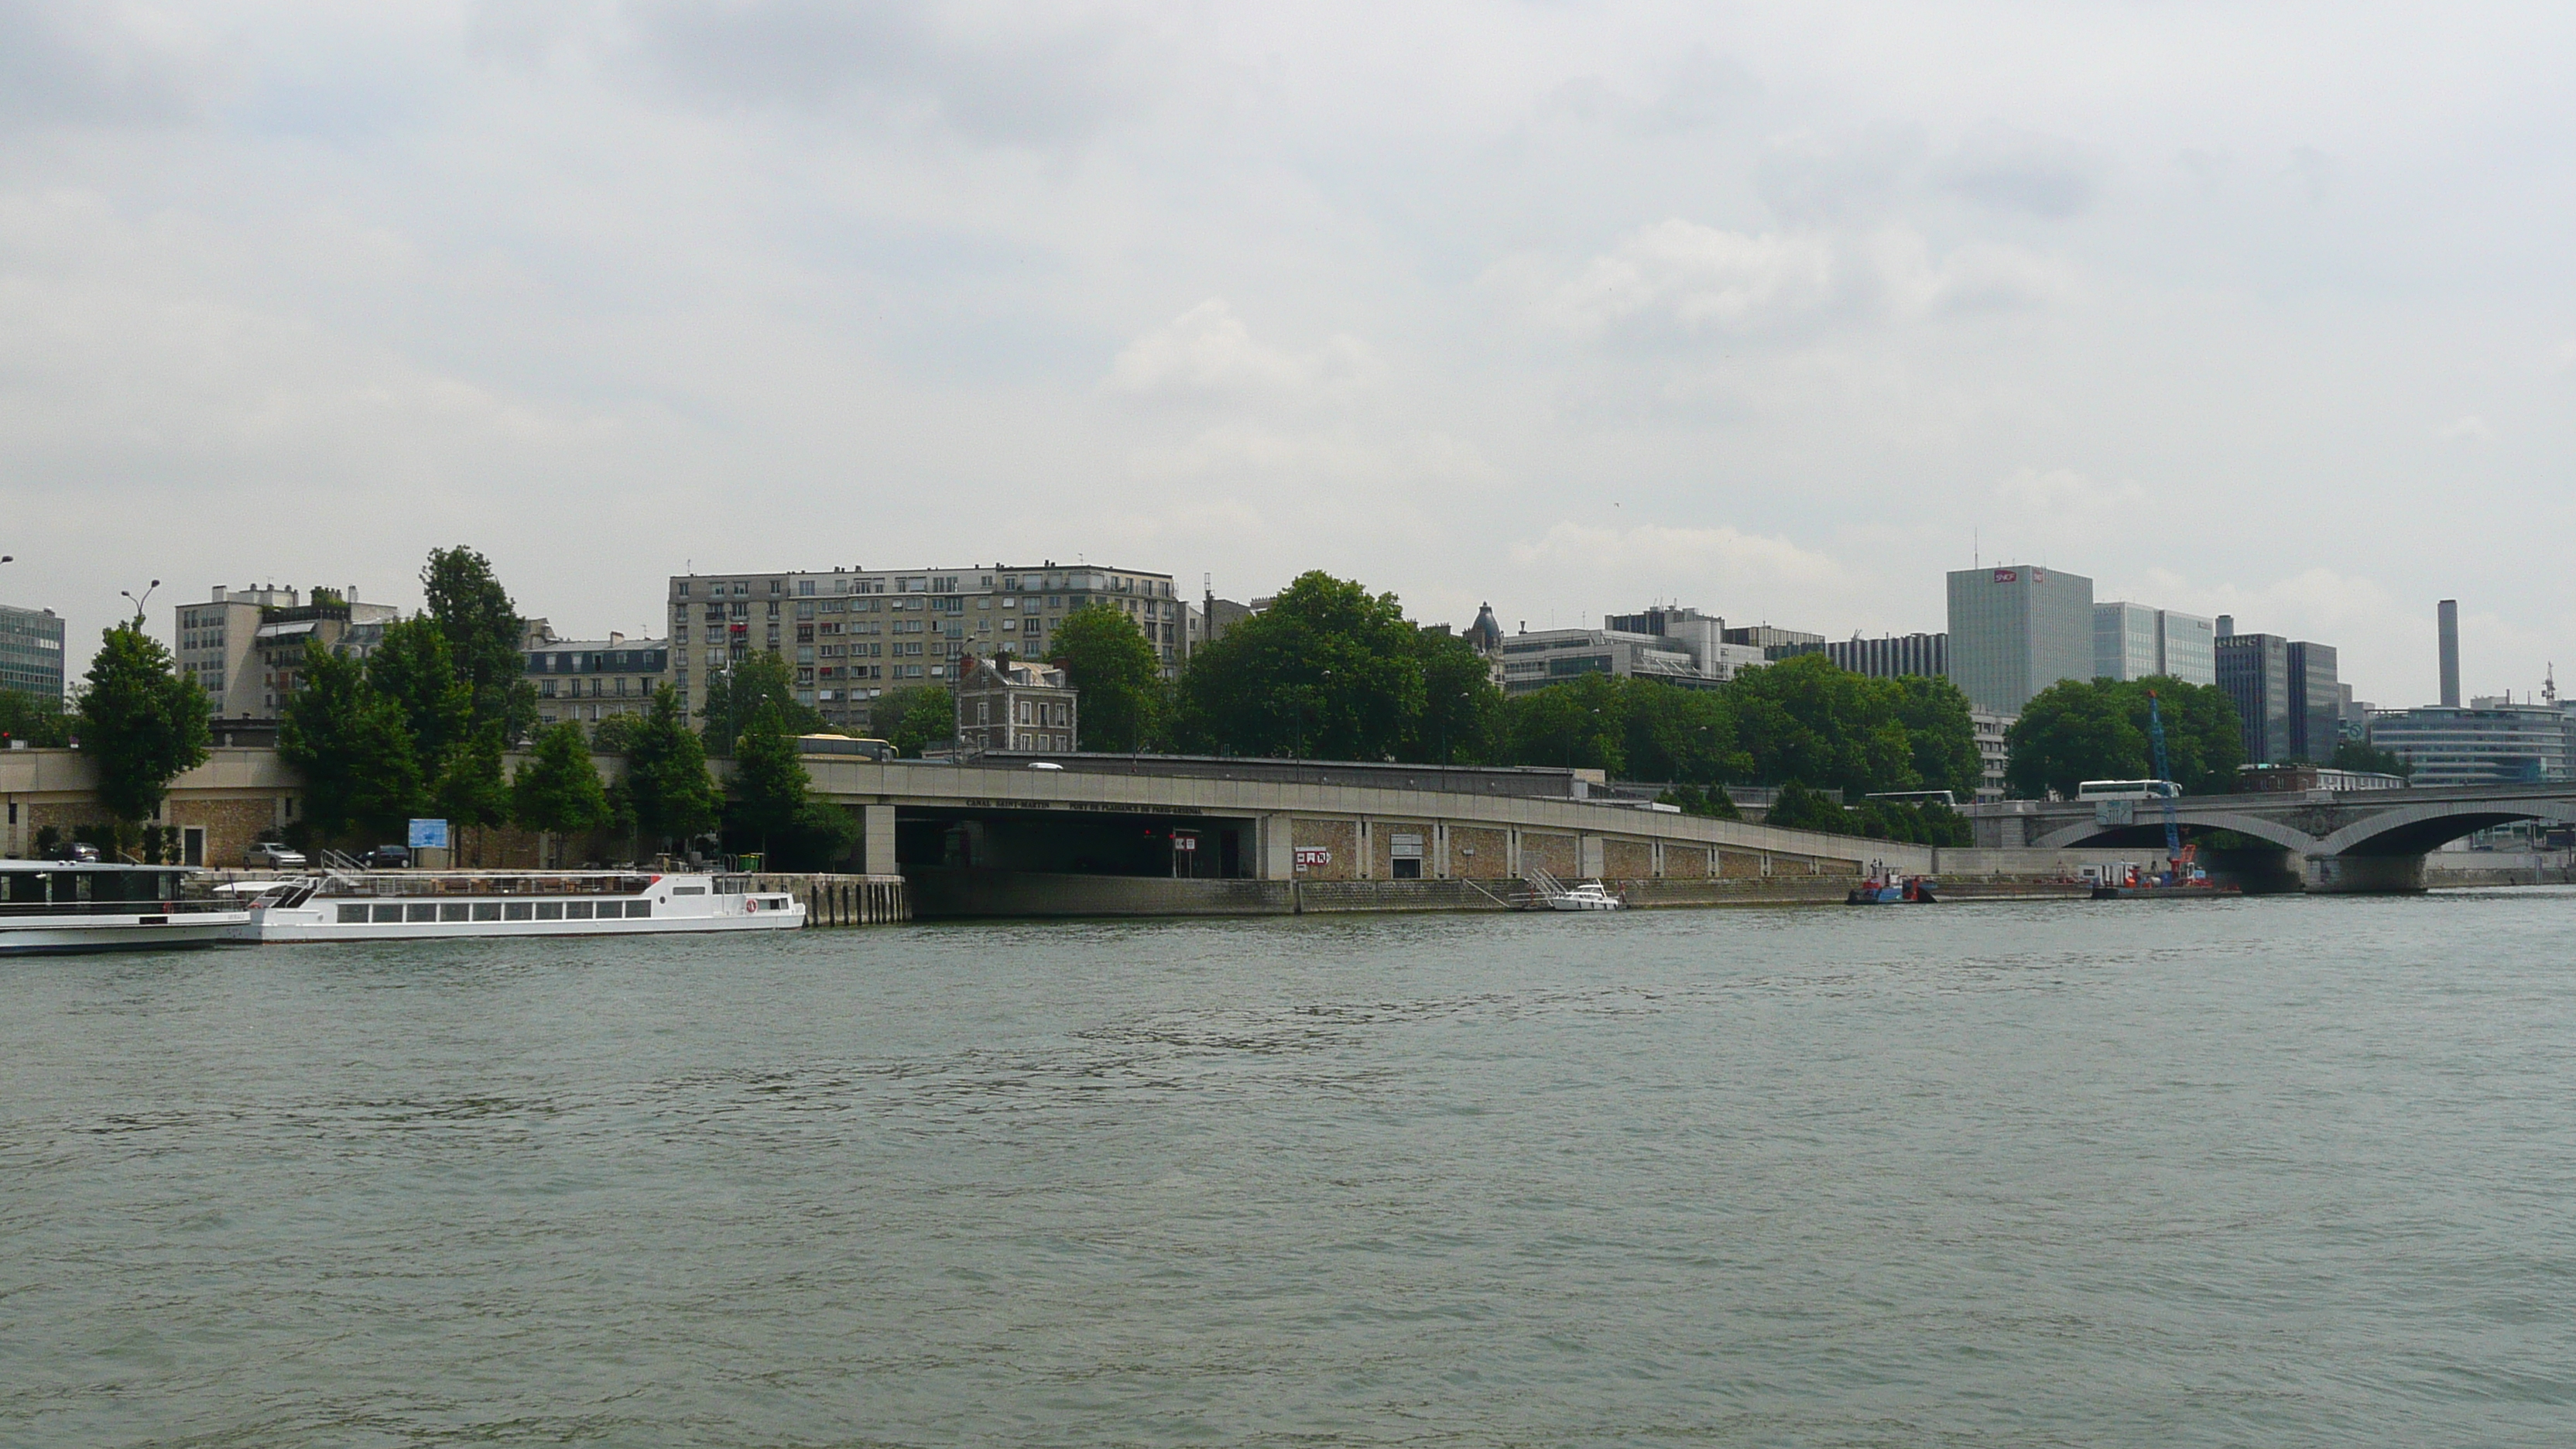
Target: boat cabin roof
[(90, 867)]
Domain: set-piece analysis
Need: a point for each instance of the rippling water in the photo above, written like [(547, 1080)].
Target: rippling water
[(2254, 1172)]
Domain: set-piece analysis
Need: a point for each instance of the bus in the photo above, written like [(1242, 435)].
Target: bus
[(2128, 790), (844, 745), (1941, 798)]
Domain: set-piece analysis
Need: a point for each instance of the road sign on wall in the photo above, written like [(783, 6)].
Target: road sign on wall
[(428, 835)]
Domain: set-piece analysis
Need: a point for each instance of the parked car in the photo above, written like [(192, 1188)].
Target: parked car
[(75, 852), (273, 856), (387, 857)]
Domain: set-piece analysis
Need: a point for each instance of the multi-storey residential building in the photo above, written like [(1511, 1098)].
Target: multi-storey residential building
[(2015, 631), (31, 651), (1894, 656), (2134, 641), (2488, 742), (1993, 754), (852, 634), (278, 643), (590, 680), (1678, 646), (1009, 705), (219, 647)]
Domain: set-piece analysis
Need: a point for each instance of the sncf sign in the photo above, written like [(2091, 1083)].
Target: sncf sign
[(2013, 576)]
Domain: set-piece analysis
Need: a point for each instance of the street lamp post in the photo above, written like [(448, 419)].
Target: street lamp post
[(137, 603)]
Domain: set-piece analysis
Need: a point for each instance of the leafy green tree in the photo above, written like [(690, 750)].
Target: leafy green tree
[(484, 634), (2074, 730), (1581, 724), (760, 683), (1806, 718), (557, 789), (1328, 671), (1934, 714), (141, 724), (1681, 734), (353, 747), (666, 775), (912, 720), (615, 735), (1462, 711), (1105, 656), (1796, 807), (468, 790), (38, 719), (415, 669), (1711, 802), (2355, 755), (771, 803), (2204, 743)]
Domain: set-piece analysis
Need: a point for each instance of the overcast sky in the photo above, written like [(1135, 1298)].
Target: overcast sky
[(1779, 311)]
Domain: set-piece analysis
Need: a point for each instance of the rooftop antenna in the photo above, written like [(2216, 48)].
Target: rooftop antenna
[(2548, 686)]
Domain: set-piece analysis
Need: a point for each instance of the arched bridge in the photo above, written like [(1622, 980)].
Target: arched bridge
[(2360, 840)]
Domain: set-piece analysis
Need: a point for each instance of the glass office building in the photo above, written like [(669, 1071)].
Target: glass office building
[(2488, 743), (2015, 631), (2133, 641), (31, 651)]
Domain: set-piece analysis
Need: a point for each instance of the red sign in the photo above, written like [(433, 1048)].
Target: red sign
[(1313, 855), (2007, 576)]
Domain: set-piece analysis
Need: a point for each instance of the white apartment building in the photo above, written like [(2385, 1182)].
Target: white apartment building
[(851, 634)]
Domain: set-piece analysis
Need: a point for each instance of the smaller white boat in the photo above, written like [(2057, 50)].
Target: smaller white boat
[(418, 904), (1547, 893), (53, 907)]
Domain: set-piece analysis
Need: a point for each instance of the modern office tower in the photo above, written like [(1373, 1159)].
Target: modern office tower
[(852, 634), (2316, 701), (2254, 669), (2016, 630), (1894, 656), (2133, 641), (1681, 647), (2447, 619), (31, 651)]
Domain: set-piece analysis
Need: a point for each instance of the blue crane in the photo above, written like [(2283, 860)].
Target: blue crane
[(2164, 775)]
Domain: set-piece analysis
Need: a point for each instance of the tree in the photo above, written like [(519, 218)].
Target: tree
[(1461, 709), (770, 801), (1105, 656), (557, 789), (1328, 671), (758, 683), (666, 774), (484, 633), (1681, 734), (615, 735), (415, 669), (1806, 718), (38, 719), (468, 790), (2204, 743), (915, 719), (2356, 755), (141, 723), (1578, 725), (1934, 714), (352, 745), (1796, 807), (2074, 730), (1711, 803)]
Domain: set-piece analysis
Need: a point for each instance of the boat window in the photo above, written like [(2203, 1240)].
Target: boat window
[(550, 910), (421, 911), (353, 915), (518, 910), (487, 910), (688, 890), (577, 910), (639, 908), (452, 910), (388, 913)]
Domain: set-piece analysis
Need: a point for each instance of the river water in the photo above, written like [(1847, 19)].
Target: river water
[(2281, 1171)]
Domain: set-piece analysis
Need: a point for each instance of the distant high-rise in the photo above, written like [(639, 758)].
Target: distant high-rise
[(2132, 641), (2016, 630), (2288, 701), (2316, 701), (31, 652), (2448, 613)]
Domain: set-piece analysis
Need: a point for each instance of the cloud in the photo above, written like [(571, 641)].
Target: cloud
[(994, 74), (2007, 169), (1207, 353), (72, 64), (1654, 553), (2469, 429), (1849, 176)]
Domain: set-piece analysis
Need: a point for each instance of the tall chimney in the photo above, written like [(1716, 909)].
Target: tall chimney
[(2450, 626)]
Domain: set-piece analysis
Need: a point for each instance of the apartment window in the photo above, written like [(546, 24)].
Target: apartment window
[(778, 586), (684, 588), (741, 610), (804, 586), (804, 610), (546, 689)]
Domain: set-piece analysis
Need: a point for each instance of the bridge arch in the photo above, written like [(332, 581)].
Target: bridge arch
[(2288, 837), (2416, 828)]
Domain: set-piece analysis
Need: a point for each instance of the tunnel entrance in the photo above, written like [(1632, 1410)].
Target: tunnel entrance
[(1067, 842)]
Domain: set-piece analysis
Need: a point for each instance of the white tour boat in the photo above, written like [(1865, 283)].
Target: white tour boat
[(435, 904), (49, 907)]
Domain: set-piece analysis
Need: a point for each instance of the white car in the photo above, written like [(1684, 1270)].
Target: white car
[(275, 857), (1045, 765)]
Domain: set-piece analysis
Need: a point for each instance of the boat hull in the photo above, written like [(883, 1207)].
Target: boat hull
[(154, 931), (288, 929)]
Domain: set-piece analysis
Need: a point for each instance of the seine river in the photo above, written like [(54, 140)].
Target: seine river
[(2266, 1172)]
